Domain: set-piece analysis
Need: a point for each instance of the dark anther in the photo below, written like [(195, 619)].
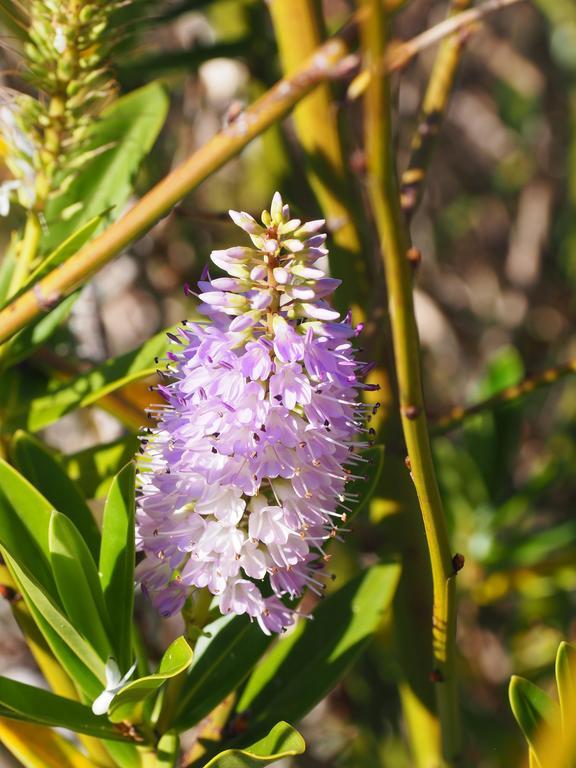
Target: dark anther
[(214, 450), (458, 562)]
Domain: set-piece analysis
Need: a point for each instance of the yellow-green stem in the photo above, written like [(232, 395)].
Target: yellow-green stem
[(384, 195), (26, 253)]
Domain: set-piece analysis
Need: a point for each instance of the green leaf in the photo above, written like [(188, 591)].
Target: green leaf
[(306, 664), (533, 710), (94, 468), (128, 704), (223, 657), (87, 388), (168, 751), (78, 584), (26, 702), (371, 472), (566, 682), (116, 567), (39, 465), (24, 521), (282, 741), (75, 654), (37, 333), (126, 133)]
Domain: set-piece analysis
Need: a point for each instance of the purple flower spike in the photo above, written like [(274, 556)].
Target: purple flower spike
[(242, 482)]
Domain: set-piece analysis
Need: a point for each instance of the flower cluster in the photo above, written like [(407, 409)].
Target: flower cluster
[(243, 480)]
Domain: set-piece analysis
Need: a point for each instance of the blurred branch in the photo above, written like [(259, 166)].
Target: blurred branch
[(298, 28), (399, 54), (385, 199), (506, 396), (433, 107), (273, 106)]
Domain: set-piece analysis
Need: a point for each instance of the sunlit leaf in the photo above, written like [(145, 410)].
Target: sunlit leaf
[(533, 710), (126, 132), (224, 656), (26, 702), (116, 568), (42, 468), (129, 702), (306, 664), (283, 741), (78, 584)]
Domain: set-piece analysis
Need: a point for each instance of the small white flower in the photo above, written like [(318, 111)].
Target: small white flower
[(60, 40), (114, 682), (5, 190)]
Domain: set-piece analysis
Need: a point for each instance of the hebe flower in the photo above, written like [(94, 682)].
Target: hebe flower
[(243, 480)]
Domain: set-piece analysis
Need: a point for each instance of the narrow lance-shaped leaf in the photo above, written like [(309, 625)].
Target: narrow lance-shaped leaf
[(566, 682), (303, 667), (128, 704), (283, 741), (76, 655), (87, 388), (93, 469), (24, 520), (122, 138), (116, 567), (37, 747), (26, 702), (534, 710), (40, 465), (223, 657), (78, 584)]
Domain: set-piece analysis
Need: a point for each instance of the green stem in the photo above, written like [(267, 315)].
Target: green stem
[(27, 252), (384, 195)]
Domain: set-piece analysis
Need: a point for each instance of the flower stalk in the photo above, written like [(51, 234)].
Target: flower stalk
[(384, 195)]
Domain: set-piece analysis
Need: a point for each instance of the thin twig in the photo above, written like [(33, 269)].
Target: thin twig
[(433, 107), (506, 396), (399, 54), (271, 107)]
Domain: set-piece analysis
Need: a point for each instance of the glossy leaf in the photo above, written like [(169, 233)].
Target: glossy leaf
[(129, 702), (26, 702), (126, 131), (116, 567), (283, 741), (78, 584), (306, 664), (37, 747), (94, 468), (78, 657), (24, 521), (566, 682), (87, 388), (41, 467), (533, 710), (223, 657)]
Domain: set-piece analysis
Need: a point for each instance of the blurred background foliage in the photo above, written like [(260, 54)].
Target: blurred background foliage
[(494, 296)]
